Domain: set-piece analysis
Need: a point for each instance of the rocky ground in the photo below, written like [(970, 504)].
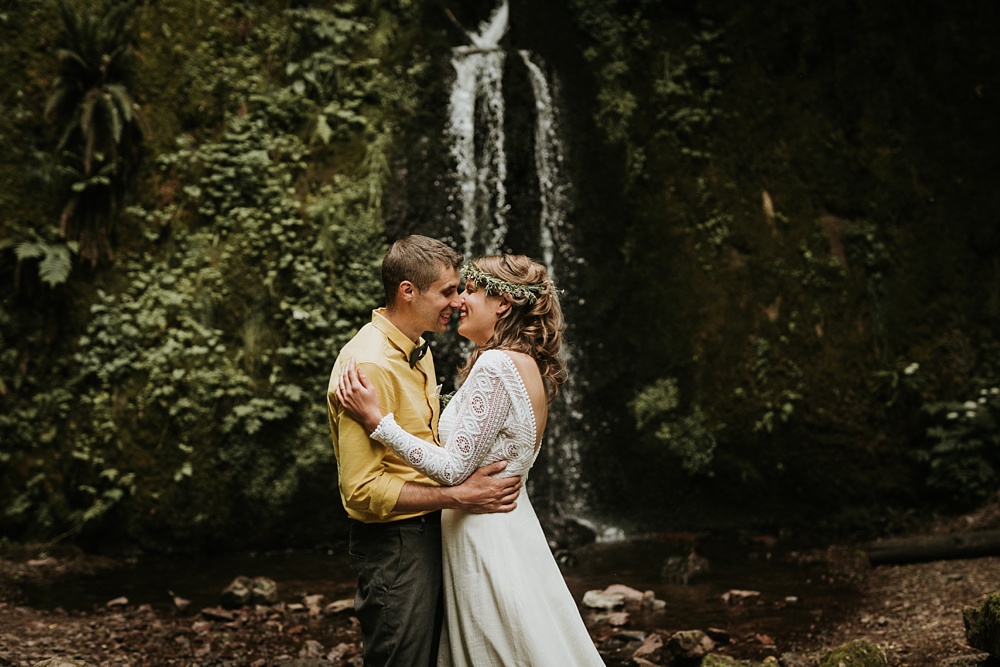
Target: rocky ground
[(912, 611)]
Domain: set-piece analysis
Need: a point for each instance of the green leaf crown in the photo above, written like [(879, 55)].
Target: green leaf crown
[(495, 286)]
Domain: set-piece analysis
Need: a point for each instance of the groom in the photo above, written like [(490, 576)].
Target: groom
[(395, 542)]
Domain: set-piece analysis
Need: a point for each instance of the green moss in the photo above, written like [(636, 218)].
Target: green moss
[(982, 624), (855, 654)]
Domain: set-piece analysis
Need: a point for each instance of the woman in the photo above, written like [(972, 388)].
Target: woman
[(506, 602)]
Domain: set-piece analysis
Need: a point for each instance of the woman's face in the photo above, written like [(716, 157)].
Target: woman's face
[(479, 314)]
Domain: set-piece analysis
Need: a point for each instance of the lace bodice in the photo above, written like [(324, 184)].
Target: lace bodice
[(489, 419)]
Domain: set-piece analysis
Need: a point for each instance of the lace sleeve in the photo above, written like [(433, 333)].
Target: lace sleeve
[(482, 409)]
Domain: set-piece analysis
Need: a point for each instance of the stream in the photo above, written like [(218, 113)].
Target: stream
[(798, 598)]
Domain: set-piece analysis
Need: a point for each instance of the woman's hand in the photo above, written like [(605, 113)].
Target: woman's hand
[(356, 393)]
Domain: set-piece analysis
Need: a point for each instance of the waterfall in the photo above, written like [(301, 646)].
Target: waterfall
[(476, 130), (481, 178)]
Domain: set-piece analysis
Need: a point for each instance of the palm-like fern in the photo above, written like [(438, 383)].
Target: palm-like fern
[(100, 122)]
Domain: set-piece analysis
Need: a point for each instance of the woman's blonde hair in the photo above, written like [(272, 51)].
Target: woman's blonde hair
[(534, 322)]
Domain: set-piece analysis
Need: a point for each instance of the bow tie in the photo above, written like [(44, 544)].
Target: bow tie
[(418, 353)]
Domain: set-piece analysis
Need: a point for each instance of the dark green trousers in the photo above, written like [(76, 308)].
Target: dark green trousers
[(399, 599)]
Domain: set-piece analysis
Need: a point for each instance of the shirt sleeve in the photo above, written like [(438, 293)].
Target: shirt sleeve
[(483, 408), (365, 485)]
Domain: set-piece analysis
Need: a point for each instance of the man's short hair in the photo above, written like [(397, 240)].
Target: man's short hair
[(418, 259)]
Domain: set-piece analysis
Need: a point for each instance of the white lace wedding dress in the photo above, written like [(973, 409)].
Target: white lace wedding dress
[(506, 602)]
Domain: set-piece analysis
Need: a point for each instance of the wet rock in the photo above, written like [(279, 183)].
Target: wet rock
[(982, 625), (737, 596), (631, 595), (244, 590), (618, 618), (603, 600), (649, 601), (339, 652), (117, 602), (653, 650), (855, 654), (690, 644), (651, 645), (314, 604), (620, 646), (619, 595), (312, 649), (180, 604), (237, 593), (798, 659), (566, 534), (682, 569), (338, 606), (263, 591), (218, 614), (719, 635)]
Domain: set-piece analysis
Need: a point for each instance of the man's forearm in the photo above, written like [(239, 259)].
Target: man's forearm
[(480, 493), (416, 497)]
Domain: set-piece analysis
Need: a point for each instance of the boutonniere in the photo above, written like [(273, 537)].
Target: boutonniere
[(445, 399)]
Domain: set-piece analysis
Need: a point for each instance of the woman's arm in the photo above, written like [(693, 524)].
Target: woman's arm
[(483, 407)]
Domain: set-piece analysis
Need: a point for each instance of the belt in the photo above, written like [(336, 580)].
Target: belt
[(429, 519)]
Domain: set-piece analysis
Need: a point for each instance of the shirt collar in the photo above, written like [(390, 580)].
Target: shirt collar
[(398, 339)]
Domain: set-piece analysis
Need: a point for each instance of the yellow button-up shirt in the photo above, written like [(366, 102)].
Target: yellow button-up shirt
[(370, 475)]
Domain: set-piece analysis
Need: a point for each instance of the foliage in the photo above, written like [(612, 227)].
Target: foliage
[(690, 437), (193, 406), (54, 258), (774, 385), (963, 452), (688, 91), (99, 122)]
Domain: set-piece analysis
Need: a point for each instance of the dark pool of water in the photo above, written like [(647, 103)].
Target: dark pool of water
[(797, 599)]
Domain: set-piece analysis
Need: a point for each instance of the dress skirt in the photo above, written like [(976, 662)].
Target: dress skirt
[(506, 602)]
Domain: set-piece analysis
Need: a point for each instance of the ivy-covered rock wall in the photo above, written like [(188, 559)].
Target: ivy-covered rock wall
[(174, 393), (793, 290)]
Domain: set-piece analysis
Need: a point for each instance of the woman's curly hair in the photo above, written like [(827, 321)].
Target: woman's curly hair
[(533, 324)]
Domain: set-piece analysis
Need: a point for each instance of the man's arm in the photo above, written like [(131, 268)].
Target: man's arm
[(479, 494)]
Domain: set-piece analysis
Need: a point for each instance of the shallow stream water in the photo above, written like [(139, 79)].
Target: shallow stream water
[(798, 598)]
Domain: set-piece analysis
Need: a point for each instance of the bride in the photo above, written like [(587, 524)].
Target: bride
[(506, 602)]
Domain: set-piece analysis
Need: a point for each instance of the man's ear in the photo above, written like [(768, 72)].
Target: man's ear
[(406, 291)]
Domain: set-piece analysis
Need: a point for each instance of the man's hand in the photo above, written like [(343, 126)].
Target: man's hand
[(483, 494)]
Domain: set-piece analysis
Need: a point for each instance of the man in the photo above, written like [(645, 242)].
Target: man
[(395, 542)]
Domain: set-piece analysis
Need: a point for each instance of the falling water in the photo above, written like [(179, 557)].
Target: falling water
[(478, 85), (477, 105)]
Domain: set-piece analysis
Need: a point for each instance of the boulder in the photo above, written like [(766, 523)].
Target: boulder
[(855, 654), (982, 625), (263, 591), (737, 596), (603, 600), (242, 591), (689, 644), (237, 593), (620, 646)]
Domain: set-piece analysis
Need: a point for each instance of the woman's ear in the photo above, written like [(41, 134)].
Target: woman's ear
[(504, 306)]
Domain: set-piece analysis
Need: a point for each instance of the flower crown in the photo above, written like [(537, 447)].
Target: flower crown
[(495, 286)]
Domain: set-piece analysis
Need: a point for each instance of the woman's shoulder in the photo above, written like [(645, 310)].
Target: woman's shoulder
[(502, 362)]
